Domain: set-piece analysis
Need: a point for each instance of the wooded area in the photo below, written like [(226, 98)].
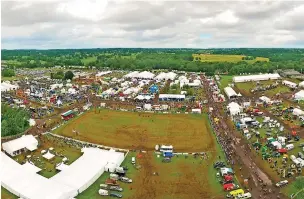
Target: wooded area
[(13, 120), (147, 59)]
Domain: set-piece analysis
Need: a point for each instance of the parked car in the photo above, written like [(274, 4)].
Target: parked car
[(117, 195), (125, 179), (282, 183), (115, 188)]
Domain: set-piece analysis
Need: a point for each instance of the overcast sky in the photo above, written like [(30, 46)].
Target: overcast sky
[(162, 24)]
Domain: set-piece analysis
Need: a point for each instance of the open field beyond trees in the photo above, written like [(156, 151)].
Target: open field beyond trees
[(187, 133), (226, 58)]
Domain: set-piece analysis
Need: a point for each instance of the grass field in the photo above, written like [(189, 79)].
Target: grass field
[(5, 194), (225, 81), (188, 133), (226, 58), (48, 167), (88, 60)]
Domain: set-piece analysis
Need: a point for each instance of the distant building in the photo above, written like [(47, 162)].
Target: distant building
[(291, 73)]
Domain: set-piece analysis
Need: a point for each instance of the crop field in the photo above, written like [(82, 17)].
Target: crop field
[(226, 58), (130, 130)]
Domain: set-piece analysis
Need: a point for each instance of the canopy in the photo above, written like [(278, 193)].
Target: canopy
[(48, 155)]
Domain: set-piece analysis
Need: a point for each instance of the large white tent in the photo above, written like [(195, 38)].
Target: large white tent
[(289, 84), (234, 108), (66, 184), (7, 86), (297, 112), (301, 84), (299, 95), (260, 77), (25, 142), (230, 92), (166, 76)]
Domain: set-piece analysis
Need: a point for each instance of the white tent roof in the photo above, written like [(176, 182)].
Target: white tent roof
[(25, 141), (234, 108), (289, 83), (174, 96), (62, 167), (166, 76), (297, 112), (299, 95), (301, 84), (264, 99), (145, 75), (260, 77), (132, 74), (103, 73), (230, 92), (64, 185), (48, 155), (31, 167), (7, 86)]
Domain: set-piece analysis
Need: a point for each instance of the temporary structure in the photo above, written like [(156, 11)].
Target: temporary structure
[(297, 112), (260, 77), (230, 92), (289, 84), (299, 95), (301, 84), (26, 142), (234, 108), (48, 155)]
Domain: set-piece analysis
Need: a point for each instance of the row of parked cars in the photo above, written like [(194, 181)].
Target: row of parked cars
[(111, 186)]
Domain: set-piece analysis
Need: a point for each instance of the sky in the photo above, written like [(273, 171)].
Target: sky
[(151, 24)]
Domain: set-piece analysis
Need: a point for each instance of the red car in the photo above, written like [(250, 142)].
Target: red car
[(230, 186)]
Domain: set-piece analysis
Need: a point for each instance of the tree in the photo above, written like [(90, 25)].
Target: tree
[(69, 75), (8, 73)]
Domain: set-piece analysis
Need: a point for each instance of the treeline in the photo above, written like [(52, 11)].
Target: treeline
[(148, 59), (13, 120)]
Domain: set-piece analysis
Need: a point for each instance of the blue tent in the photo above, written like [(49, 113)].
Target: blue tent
[(153, 89)]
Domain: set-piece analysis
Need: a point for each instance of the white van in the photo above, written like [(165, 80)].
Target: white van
[(244, 196), (289, 147), (133, 160)]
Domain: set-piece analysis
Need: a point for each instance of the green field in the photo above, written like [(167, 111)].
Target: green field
[(187, 132), (224, 81), (48, 166), (5, 194), (226, 58)]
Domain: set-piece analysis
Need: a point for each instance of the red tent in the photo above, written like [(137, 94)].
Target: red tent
[(282, 150)]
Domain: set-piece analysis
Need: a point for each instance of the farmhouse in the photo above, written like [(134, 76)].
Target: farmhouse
[(67, 184), (171, 97), (289, 84), (230, 92), (261, 77), (67, 115), (15, 147), (299, 96)]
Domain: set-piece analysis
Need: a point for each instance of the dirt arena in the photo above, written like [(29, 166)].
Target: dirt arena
[(130, 130)]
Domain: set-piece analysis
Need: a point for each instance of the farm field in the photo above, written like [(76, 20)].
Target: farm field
[(187, 133), (226, 58)]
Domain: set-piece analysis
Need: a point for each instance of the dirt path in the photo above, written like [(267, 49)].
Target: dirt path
[(239, 154)]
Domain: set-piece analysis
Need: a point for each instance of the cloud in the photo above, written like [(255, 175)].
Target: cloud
[(123, 23)]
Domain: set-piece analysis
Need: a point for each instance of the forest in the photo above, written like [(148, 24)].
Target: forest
[(13, 120), (148, 59)]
